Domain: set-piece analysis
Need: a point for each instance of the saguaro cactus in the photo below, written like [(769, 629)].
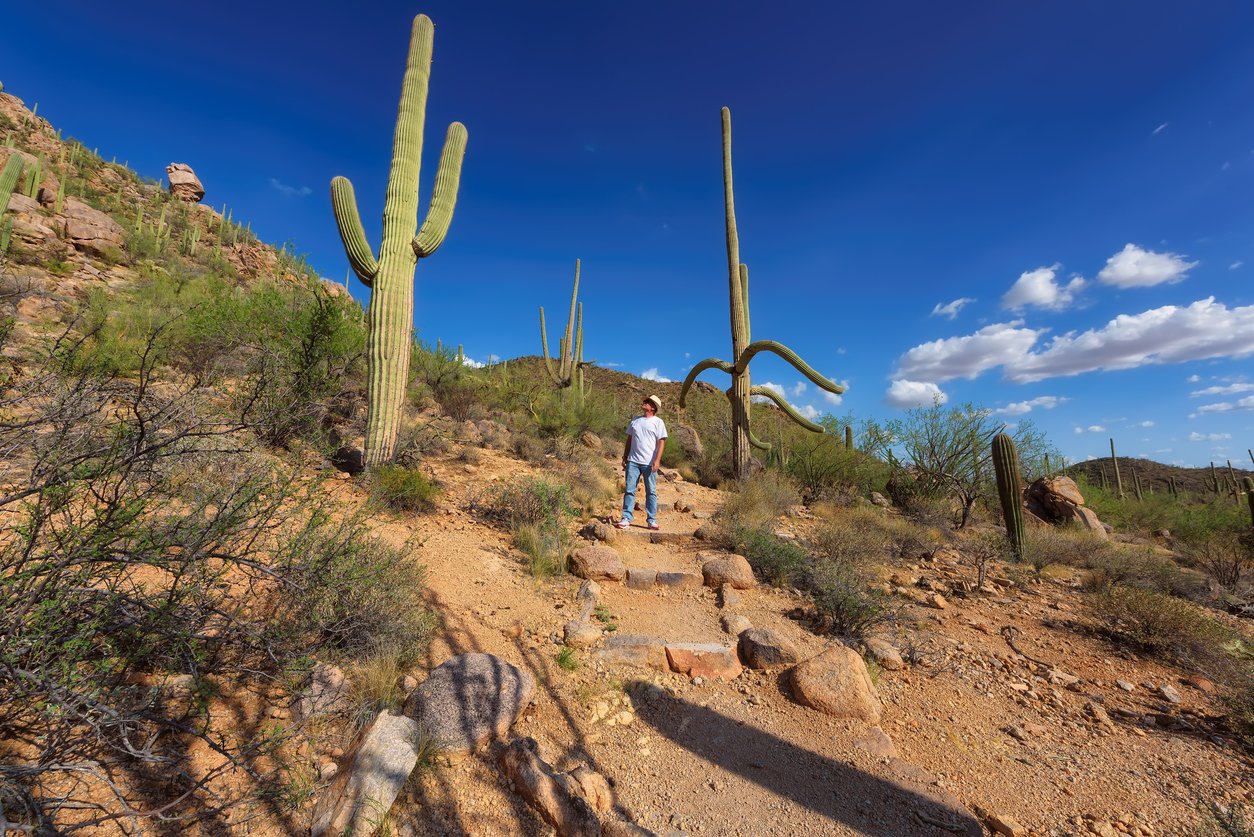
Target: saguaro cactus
[(8, 182), (391, 277), (569, 369), (743, 350), (1248, 484), (848, 437), (1009, 489), (1115, 460)]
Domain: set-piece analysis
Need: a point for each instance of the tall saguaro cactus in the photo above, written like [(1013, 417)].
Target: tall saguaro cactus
[(1115, 460), (743, 351), (1248, 484), (1009, 489), (391, 277), (8, 182), (570, 363)]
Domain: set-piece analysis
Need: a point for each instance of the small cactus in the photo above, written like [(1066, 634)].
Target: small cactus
[(1010, 490)]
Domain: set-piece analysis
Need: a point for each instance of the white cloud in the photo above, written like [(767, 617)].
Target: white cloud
[(1038, 287), (967, 357), (1246, 403), (1236, 265), (1193, 379), (1146, 423), (1133, 267), (1092, 428), (833, 398), (609, 364), (651, 374), (472, 363), (1209, 437), (289, 191), (904, 394), (798, 389), (1160, 129), (1231, 389), (1018, 408), (809, 412), (950, 309)]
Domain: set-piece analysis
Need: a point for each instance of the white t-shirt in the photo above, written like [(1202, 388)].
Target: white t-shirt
[(644, 432)]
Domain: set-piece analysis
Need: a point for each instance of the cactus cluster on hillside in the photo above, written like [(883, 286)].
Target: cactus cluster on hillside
[(743, 351), (390, 276)]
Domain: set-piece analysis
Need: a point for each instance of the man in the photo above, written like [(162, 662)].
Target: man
[(642, 455)]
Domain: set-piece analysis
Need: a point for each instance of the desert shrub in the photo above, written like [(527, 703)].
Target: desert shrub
[(757, 501), (470, 455), (419, 440), (1225, 557), (592, 482), (782, 562), (377, 682), (147, 542), (1070, 547), (537, 512), (403, 489), (1188, 520), (529, 448), (823, 469), (844, 602), (1159, 623)]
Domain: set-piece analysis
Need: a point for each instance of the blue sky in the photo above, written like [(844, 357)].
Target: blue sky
[(1047, 209)]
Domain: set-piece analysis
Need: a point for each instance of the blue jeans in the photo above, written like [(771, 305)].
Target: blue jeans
[(634, 472)]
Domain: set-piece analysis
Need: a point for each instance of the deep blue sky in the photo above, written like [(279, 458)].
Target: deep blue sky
[(890, 158)]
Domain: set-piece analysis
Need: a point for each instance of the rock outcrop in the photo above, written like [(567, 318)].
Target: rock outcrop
[(1058, 500), (184, 184)]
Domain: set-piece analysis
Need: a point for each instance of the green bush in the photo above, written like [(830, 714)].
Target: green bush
[(403, 489), (781, 562), (1160, 623), (757, 501), (537, 513)]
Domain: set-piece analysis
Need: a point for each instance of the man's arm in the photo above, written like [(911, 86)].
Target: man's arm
[(657, 457), (626, 449)]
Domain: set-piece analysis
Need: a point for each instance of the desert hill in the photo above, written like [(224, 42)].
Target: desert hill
[(211, 625)]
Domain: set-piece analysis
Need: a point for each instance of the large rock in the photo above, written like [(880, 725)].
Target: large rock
[(184, 184), (597, 562), (763, 648), (89, 229), (1058, 500), (689, 441), (470, 699), (836, 683), (375, 770), (555, 796), (634, 650), (708, 660), (729, 569)]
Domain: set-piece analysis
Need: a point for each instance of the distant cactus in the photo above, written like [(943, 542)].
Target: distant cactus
[(743, 351), (570, 362), (1248, 485), (1009, 490), (391, 276), (1115, 460), (1136, 485), (848, 437)]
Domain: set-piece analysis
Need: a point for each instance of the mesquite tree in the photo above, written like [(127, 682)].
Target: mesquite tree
[(391, 277), (743, 350)]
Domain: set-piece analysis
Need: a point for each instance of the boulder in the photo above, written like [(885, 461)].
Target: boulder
[(763, 648), (1057, 500), (184, 184), (549, 792), (689, 441), (376, 768), (598, 530), (597, 562), (731, 569), (836, 683), (634, 650), (708, 660), (885, 655), (640, 579), (734, 623), (89, 229), (469, 700), (678, 580)]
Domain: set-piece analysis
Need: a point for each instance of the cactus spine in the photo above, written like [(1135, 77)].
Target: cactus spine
[(570, 363), (391, 277), (1115, 460), (1009, 490), (743, 350)]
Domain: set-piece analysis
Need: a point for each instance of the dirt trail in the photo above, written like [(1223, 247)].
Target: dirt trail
[(742, 758)]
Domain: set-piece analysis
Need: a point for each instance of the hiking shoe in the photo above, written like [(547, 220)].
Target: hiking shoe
[(623, 524), (654, 527)]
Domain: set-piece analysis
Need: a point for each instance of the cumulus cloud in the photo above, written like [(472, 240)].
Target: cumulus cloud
[(950, 309), (762, 399), (1039, 288), (1133, 267), (651, 374), (1246, 403), (834, 399), (1193, 379), (472, 363), (797, 389), (1018, 408), (1209, 437), (1092, 428), (809, 412), (1231, 389), (289, 191), (905, 394), (967, 356)]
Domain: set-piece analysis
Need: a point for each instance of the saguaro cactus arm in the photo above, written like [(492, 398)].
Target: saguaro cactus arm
[(348, 221), (767, 392), (708, 363), (742, 363), (444, 196), (8, 179)]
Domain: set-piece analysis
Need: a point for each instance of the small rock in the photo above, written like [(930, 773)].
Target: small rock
[(1200, 683), (381, 759), (731, 570), (763, 648), (545, 790), (1003, 824), (1169, 693), (679, 580), (880, 500), (877, 743), (937, 601), (666, 537), (885, 655), (1125, 685), (640, 579), (327, 771), (581, 634), (734, 624), (727, 596)]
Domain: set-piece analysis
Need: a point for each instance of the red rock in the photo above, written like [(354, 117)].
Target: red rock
[(836, 683), (704, 660), (597, 562)]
